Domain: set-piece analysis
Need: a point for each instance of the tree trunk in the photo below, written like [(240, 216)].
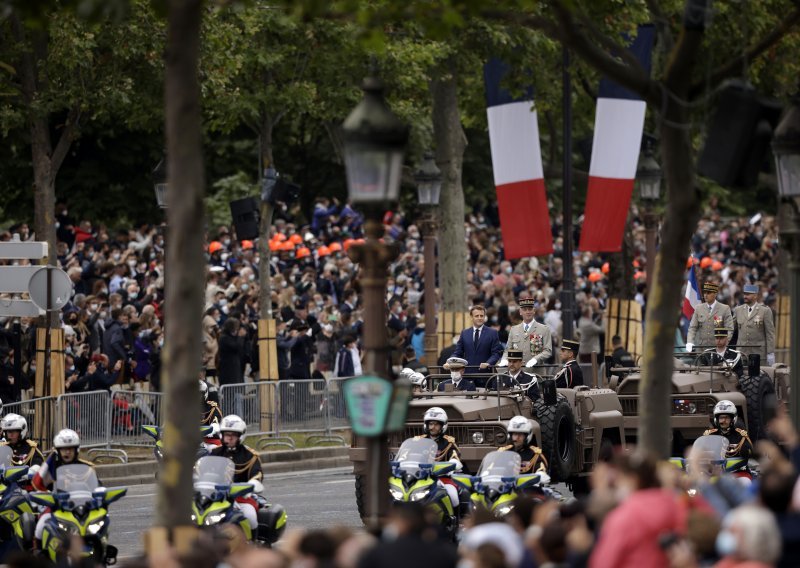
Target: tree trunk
[(620, 274), (267, 210), (683, 212), (185, 276), (450, 144)]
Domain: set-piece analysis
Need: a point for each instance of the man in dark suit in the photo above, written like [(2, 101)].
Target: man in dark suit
[(457, 379), (479, 344)]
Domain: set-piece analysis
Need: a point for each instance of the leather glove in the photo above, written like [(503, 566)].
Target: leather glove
[(531, 362), (771, 359), (689, 347)]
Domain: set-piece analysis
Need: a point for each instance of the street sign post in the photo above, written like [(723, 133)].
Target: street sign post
[(56, 281)]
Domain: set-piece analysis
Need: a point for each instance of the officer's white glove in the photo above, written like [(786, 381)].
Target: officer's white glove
[(33, 470), (689, 347), (258, 487), (544, 479), (532, 362), (455, 460), (771, 359), (502, 363)]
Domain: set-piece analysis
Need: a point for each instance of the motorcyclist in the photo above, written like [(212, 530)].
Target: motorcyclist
[(15, 428), (246, 462), (435, 426), (210, 415), (418, 383), (533, 460), (66, 446), (724, 422)]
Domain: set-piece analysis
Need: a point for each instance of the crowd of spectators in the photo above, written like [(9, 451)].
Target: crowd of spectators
[(114, 321)]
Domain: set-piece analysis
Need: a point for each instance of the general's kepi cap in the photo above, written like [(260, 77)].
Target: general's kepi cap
[(751, 289), (710, 287), (570, 344), (456, 362)]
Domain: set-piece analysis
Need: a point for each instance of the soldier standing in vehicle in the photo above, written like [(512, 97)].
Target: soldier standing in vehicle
[(533, 460), (516, 377), (570, 375), (724, 422), (722, 355), (755, 326), (16, 432), (708, 316), (530, 337)]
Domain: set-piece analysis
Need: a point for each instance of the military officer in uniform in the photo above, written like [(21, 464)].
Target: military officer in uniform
[(755, 326), (725, 425), (434, 424), (457, 379), (533, 460), (707, 316), (530, 337), (515, 377), (570, 375), (722, 355)]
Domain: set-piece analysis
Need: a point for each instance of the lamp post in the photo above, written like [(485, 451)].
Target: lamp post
[(786, 147), (160, 183), (429, 186), (374, 145), (648, 178)]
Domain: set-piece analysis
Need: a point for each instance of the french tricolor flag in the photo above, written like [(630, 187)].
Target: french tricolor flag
[(618, 127), (691, 298), (517, 165)]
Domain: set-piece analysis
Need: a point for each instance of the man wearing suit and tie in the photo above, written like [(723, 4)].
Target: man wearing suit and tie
[(708, 316), (755, 326), (530, 337), (479, 345)]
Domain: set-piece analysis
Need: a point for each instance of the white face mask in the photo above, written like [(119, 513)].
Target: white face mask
[(455, 375)]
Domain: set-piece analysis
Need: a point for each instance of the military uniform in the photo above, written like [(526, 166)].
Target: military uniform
[(535, 342), (533, 460), (570, 375), (757, 329), (706, 318), (523, 380), (447, 447), (245, 460), (26, 452), (730, 358), (211, 413), (740, 444)]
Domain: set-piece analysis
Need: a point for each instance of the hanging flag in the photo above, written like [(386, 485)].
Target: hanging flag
[(691, 298), (517, 166), (618, 127)]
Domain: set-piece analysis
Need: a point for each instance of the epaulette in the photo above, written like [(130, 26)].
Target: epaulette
[(252, 451), (31, 443), (504, 448), (742, 432), (710, 431), (420, 437), (449, 439), (535, 449), (211, 403)]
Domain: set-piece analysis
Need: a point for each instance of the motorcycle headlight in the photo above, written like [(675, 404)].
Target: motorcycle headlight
[(397, 495), (420, 494), (504, 510), (95, 528), (194, 518), (68, 528), (214, 519), (477, 438)]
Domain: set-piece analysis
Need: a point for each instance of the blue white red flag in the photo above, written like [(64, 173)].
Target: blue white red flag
[(691, 298), (618, 127), (517, 166)]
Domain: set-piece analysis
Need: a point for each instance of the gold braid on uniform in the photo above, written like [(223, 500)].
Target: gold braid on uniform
[(744, 437), (31, 453), (248, 464), (451, 443), (209, 416)]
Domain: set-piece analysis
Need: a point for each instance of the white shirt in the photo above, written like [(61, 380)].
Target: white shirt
[(357, 370)]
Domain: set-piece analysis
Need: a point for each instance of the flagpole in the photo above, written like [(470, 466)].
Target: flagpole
[(567, 286)]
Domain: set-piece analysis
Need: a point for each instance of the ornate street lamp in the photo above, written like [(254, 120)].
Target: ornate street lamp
[(374, 146), (786, 148), (160, 183), (429, 185), (648, 178)]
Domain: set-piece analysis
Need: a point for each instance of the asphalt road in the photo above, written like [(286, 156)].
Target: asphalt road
[(313, 499)]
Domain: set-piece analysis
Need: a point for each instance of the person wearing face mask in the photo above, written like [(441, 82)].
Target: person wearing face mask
[(750, 538), (457, 379)]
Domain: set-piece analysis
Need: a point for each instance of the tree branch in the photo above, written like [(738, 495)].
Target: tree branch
[(65, 140), (732, 67), (662, 25)]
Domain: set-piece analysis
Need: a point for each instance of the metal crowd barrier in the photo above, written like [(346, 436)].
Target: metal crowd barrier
[(40, 413), (88, 414), (129, 411)]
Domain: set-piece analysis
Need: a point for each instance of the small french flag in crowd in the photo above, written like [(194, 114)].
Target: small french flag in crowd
[(517, 165), (618, 127), (691, 298)]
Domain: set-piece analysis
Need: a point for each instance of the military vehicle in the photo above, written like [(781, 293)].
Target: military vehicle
[(571, 426)]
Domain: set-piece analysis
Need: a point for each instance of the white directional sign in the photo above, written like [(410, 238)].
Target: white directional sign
[(22, 250), (19, 308), (15, 279)]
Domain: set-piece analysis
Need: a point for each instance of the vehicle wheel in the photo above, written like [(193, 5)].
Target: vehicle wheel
[(361, 491), (760, 394), (558, 437)]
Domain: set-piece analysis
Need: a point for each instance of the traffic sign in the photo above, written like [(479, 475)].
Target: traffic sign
[(23, 250), (376, 406), (15, 279), (60, 288), (19, 309)]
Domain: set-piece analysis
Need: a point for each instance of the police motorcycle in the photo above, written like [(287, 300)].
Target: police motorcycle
[(79, 507), (499, 482), (414, 476), (206, 431), (708, 461), (215, 494), (17, 514)]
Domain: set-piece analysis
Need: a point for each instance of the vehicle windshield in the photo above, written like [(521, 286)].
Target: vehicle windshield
[(707, 455), (496, 465), (6, 457), (79, 480), (413, 452), (210, 471)]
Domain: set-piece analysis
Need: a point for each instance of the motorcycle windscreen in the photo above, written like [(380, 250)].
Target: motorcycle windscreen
[(210, 471), (707, 455), (79, 480), (497, 464), (414, 452), (6, 457)]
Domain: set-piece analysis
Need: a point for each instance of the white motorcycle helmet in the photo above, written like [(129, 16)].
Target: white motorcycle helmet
[(725, 407), (406, 373), (15, 422), (520, 424), (204, 390), (232, 423), (67, 438), (435, 414), (418, 380)]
